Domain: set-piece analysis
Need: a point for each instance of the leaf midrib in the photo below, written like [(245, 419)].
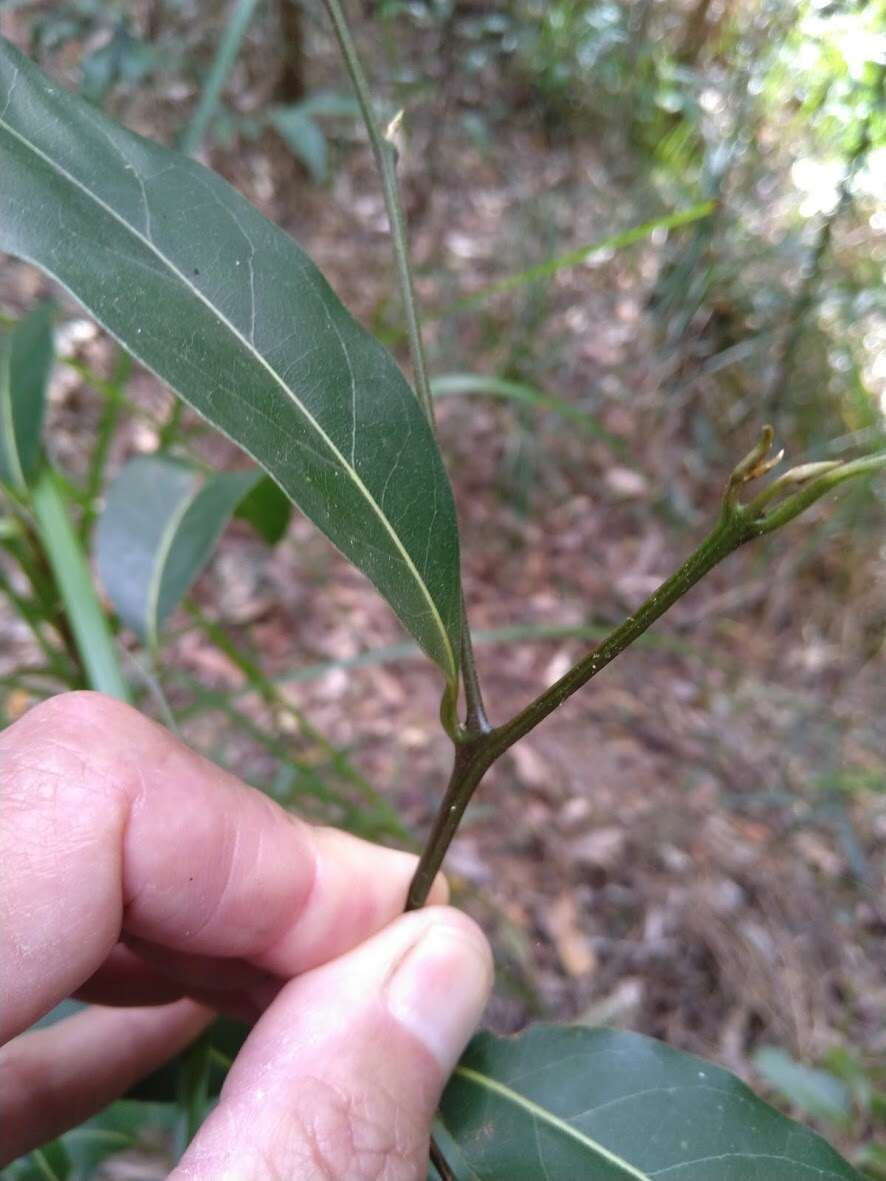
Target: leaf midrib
[(547, 1117), (251, 350)]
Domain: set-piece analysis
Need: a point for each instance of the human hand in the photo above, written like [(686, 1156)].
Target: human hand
[(135, 873)]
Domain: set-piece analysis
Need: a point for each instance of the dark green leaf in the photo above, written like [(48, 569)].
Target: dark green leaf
[(611, 1106), (267, 509), (160, 525), (814, 1092), (225, 307), (25, 361)]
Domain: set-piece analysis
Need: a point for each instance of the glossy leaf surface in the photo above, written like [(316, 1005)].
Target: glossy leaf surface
[(26, 355), (160, 525), (223, 305), (573, 1102)]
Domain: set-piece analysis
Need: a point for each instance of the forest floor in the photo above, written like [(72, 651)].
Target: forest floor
[(686, 849)]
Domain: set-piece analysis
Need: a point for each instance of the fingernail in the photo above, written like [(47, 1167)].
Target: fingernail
[(440, 989)]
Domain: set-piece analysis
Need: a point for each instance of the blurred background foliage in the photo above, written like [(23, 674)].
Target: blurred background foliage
[(695, 849)]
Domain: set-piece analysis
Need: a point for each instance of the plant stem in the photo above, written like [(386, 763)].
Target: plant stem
[(386, 160), (737, 524), (474, 758)]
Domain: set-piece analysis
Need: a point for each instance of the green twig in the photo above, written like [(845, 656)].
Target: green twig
[(785, 499)]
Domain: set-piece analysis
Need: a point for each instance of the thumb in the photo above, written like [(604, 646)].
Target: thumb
[(340, 1078)]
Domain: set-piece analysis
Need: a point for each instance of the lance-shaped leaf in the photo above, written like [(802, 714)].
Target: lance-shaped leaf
[(226, 308), (25, 361), (159, 527), (611, 1106)]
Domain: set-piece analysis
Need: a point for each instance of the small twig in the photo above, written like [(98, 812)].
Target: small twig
[(784, 499)]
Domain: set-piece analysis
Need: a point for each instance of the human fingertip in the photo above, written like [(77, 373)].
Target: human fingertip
[(439, 989)]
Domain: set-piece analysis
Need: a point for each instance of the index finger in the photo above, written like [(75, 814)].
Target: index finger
[(110, 826)]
